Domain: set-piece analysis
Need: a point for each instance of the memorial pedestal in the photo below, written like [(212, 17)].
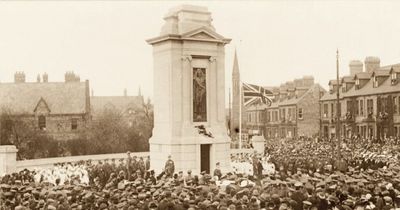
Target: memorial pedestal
[(189, 93)]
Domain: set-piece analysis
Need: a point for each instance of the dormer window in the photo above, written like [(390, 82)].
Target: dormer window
[(330, 88), (375, 80), (344, 87), (393, 78), (357, 83)]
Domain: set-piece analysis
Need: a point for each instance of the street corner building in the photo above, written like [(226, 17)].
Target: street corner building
[(59, 109), (369, 101), (293, 112)]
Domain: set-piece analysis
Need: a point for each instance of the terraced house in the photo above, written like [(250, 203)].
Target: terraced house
[(294, 110), (369, 101)]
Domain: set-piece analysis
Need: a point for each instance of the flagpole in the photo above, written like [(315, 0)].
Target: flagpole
[(230, 114), (240, 114)]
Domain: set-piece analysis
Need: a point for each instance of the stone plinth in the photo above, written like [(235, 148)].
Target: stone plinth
[(8, 159), (188, 42), (258, 144)]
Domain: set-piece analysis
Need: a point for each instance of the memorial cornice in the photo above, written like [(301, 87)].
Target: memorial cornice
[(210, 36)]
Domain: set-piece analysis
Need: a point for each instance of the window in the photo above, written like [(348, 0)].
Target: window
[(395, 104), (332, 110), (362, 107), (74, 124), (300, 113), (370, 107), (325, 110), (348, 106), (42, 122), (131, 111), (357, 108)]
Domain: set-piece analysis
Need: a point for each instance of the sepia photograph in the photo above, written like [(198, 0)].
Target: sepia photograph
[(199, 105)]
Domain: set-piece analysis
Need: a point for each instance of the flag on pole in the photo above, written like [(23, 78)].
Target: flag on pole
[(256, 94)]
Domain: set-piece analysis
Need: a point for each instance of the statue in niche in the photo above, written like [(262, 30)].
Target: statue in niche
[(199, 95)]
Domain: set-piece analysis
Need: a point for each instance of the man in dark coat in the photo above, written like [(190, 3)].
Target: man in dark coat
[(169, 167)]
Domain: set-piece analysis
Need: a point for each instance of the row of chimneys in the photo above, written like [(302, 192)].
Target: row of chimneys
[(371, 64), (294, 88), (70, 76)]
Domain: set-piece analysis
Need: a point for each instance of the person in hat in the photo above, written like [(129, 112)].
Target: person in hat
[(298, 196), (129, 160), (217, 171), (169, 167)]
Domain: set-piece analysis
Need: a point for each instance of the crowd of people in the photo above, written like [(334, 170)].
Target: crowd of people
[(297, 174)]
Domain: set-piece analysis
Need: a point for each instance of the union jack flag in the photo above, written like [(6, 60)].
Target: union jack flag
[(256, 94)]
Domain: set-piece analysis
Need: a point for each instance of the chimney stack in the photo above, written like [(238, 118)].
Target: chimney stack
[(372, 64), (355, 67), (45, 77), (308, 81), (19, 77), (71, 77), (38, 78)]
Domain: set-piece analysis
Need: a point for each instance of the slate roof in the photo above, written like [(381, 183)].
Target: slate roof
[(348, 79), (363, 75), (368, 89), (60, 97), (379, 73), (121, 103), (294, 100)]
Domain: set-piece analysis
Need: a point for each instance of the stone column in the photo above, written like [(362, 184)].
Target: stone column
[(212, 91), (8, 159), (186, 89)]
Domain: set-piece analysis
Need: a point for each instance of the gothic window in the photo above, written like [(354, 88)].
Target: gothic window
[(42, 122), (74, 124)]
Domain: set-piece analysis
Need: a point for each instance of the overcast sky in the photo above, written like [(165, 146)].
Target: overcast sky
[(104, 41)]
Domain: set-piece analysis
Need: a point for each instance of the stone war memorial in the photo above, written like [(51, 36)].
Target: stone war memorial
[(189, 93)]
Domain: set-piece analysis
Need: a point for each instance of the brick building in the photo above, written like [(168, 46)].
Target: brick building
[(294, 111), (129, 107), (369, 101), (61, 109)]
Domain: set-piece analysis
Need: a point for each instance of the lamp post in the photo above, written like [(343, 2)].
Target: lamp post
[(338, 105)]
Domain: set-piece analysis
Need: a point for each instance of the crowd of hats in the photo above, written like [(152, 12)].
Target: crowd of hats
[(309, 175)]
